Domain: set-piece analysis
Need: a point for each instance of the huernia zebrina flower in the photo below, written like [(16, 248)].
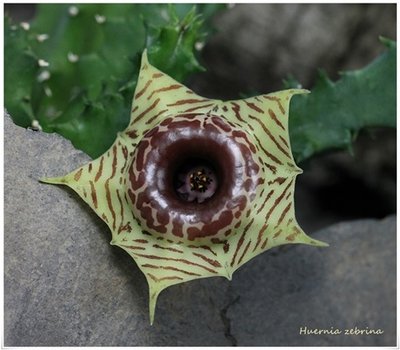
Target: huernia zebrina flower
[(195, 187)]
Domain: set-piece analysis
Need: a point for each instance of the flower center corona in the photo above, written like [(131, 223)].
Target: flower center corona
[(193, 176), (199, 180), (196, 183)]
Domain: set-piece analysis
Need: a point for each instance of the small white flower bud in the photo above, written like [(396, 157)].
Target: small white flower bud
[(43, 76), (100, 19), (43, 63), (42, 37), (73, 11), (36, 126), (199, 46), (72, 57), (25, 25)]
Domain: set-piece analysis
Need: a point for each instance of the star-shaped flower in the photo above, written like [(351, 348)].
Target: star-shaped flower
[(195, 187)]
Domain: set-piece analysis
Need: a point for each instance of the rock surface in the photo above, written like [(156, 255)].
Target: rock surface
[(65, 286)]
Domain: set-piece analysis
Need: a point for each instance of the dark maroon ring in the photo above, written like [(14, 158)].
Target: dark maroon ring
[(192, 176)]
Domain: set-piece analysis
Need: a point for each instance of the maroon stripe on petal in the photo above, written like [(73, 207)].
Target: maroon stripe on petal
[(168, 248), (203, 247), (187, 101), (109, 202), (244, 252), (184, 261), (164, 89), (275, 119), (241, 240), (254, 107), (141, 115), (100, 171), (78, 174), (236, 109), (172, 268), (156, 116), (141, 92), (114, 162), (285, 152), (270, 193), (277, 100), (285, 211), (133, 247), (268, 154), (198, 107), (260, 234), (277, 201), (93, 193), (154, 278), (212, 262)]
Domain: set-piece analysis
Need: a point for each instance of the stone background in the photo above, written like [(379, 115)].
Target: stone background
[(64, 285)]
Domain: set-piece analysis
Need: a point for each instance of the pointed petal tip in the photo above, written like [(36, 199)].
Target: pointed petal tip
[(154, 291), (317, 243), (306, 239), (290, 92), (152, 309), (53, 180), (299, 91), (228, 275), (298, 170), (144, 57)]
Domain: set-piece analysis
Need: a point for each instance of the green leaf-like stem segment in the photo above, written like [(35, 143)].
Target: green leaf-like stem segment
[(74, 68), (333, 113), (167, 259)]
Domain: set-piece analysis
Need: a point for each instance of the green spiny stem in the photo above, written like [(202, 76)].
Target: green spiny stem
[(334, 112), (80, 64)]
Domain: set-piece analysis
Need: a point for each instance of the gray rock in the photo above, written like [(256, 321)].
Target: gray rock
[(350, 284), (66, 286)]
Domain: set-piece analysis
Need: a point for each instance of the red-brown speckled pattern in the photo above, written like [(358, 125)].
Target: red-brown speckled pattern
[(162, 150)]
